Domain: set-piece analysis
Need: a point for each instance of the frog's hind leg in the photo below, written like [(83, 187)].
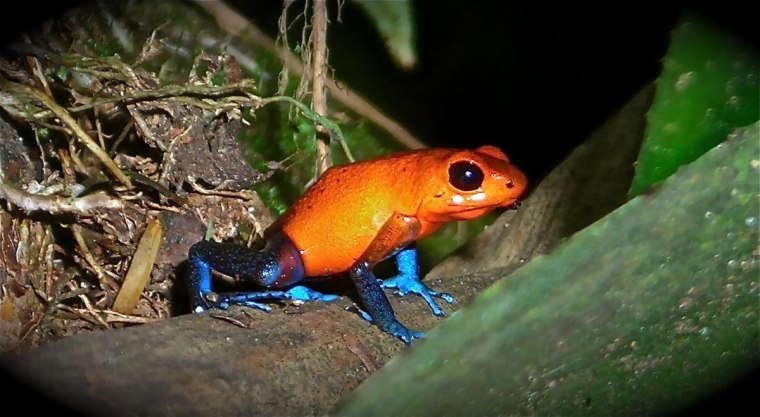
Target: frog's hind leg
[(277, 266)]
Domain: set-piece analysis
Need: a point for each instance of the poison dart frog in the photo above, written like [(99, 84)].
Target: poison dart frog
[(353, 217)]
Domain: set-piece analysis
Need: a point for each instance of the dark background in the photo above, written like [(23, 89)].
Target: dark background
[(532, 79)]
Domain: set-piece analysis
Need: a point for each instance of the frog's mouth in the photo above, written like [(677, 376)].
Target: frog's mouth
[(515, 205), (511, 204)]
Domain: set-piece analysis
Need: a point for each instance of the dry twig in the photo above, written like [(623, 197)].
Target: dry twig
[(56, 205)]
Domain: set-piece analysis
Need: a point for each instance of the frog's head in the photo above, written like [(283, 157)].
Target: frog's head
[(476, 182)]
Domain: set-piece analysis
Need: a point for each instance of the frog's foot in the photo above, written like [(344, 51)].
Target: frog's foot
[(404, 334), (393, 327), (224, 301), (301, 293), (405, 284)]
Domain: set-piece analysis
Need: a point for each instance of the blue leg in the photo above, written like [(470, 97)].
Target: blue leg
[(408, 281), (298, 293), (276, 266), (378, 308)]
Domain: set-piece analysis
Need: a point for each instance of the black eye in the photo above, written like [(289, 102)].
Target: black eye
[(465, 176)]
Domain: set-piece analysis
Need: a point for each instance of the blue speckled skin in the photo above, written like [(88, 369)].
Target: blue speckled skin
[(278, 266), (379, 310)]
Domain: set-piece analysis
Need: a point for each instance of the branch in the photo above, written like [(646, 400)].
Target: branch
[(242, 87), (55, 205), (318, 64)]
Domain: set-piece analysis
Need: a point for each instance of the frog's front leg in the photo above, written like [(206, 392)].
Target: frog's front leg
[(277, 266), (397, 231), (408, 281), (379, 310)]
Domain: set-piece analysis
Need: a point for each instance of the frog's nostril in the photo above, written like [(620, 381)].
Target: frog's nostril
[(510, 184)]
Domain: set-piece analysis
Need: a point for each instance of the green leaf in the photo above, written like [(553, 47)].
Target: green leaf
[(708, 86), (62, 73), (394, 20), (647, 310)]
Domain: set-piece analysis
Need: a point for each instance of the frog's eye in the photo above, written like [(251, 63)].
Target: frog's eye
[(465, 175)]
